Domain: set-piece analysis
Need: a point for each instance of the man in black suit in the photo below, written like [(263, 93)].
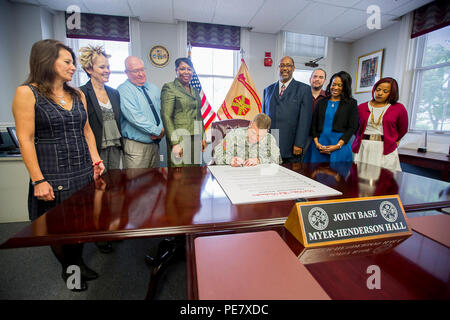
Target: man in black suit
[(289, 104)]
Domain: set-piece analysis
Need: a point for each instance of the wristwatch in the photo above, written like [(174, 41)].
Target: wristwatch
[(33, 183)]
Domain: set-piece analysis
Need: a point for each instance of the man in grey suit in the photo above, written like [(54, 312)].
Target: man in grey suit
[(289, 104)]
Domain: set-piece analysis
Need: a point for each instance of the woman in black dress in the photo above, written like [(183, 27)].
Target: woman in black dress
[(56, 141)]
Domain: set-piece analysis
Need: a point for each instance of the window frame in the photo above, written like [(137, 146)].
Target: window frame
[(418, 70), (303, 69), (304, 59), (300, 61), (236, 64)]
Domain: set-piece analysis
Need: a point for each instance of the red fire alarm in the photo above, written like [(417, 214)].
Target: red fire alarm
[(268, 60)]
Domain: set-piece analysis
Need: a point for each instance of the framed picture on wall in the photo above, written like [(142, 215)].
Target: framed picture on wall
[(368, 71)]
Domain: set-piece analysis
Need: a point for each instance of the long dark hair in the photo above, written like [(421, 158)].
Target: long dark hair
[(393, 96), (42, 66), (346, 85)]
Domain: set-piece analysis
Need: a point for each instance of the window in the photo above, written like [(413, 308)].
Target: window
[(119, 51), (431, 109), (304, 45), (216, 69), (302, 75), (302, 48)]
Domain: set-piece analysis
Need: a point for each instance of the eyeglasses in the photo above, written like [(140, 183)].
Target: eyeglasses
[(285, 65), (136, 71)]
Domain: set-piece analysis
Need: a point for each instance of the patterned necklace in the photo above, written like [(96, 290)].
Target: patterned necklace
[(372, 119), (61, 100)]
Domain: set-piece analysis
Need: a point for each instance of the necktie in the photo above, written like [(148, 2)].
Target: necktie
[(151, 106), (283, 87)]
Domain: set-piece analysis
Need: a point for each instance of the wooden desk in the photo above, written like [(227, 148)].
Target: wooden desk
[(418, 268), (430, 160), (139, 203)]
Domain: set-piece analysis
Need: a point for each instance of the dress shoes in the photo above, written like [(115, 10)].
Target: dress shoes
[(83, 283), (104, 246), (87, 273)]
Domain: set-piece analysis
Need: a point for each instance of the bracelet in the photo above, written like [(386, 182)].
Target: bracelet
[(98, 162), (340, 145), (33, 183)]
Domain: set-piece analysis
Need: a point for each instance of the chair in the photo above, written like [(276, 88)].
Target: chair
[(219, 130)]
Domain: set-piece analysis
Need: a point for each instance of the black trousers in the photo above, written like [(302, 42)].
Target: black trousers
[(68, 254)]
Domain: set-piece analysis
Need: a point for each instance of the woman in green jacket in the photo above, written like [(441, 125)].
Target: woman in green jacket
[(182, 118)]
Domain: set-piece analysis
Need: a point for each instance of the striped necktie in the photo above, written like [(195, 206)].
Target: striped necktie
[(283, 87)]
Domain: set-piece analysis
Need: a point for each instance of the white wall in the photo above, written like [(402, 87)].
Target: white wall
[(339, 57), (47, 24), (262, 76), (27, 30), (159, 34), (7, 80), (21, 25), (386, 39)]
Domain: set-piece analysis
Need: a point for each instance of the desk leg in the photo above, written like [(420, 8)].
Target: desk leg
[(167, 249)]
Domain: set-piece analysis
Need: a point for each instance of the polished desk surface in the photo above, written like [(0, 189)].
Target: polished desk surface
[(136, 203), (431, 160), (425, 155), (417, 268)]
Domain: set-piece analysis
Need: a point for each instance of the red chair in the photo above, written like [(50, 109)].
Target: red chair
[(219, 130)]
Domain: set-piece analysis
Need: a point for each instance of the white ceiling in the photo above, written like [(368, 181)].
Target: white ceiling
[(344, 20)]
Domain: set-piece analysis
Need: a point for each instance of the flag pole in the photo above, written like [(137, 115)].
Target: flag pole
[(242, 54), (189, 47)]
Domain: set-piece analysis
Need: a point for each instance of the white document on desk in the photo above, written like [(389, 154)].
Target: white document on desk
[(266, 183)]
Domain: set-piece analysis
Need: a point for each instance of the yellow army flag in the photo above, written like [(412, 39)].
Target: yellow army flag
[(242, 100)]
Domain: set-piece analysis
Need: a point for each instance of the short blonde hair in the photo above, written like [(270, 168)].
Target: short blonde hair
[(89, 54), (262, 121)]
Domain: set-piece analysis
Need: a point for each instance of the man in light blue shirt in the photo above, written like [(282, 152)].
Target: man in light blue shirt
[(142, 128)]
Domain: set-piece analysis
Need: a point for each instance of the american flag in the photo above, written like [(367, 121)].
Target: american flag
[(208, 113)]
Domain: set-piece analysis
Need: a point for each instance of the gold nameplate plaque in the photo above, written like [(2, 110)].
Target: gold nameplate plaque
[(331, 222)]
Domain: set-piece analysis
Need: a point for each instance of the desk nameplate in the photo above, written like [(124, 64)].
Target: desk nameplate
[(320, 223)]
